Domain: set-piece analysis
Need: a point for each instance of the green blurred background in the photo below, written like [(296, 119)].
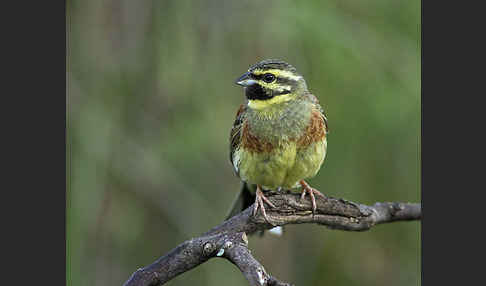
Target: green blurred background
[(151, 100)]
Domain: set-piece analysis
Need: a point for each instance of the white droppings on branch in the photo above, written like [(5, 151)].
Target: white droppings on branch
[(276, 231), (244, 238)]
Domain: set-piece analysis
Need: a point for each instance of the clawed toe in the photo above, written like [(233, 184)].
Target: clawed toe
[(306, 189), (259, 204)]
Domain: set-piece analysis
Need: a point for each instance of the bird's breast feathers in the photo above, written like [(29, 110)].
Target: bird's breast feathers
[(282, 150)]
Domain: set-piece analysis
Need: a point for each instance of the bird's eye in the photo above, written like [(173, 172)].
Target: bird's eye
[(268, 77)]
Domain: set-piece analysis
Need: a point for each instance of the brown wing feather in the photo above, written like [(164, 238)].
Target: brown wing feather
[(314, 99), (235, 134)]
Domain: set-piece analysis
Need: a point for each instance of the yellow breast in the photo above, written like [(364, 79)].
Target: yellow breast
[(284, 166), (268, 169), (269, 158)]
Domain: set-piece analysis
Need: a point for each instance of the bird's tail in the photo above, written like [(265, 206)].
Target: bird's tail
[(245, 199)]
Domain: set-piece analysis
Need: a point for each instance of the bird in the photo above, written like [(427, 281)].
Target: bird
[(279, 136)]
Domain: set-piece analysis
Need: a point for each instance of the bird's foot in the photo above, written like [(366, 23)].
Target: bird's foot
[(259, 199), (306, 189)]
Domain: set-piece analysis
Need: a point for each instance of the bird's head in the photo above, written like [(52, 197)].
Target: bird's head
[(271, 82)]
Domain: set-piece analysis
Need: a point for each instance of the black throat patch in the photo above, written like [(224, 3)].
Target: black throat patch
[(256, 91)]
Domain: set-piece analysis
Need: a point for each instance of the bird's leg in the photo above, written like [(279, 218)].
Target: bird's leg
[(311, 191), (259, 199)]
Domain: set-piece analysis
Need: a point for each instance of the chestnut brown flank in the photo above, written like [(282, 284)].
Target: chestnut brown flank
[(240, 110), (251, 143), (315, 131)]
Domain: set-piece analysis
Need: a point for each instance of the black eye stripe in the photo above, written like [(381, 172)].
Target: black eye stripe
[(280, 80), (256, 77), (262, 77), (286, 81)]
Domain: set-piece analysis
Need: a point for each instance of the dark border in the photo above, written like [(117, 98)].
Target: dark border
[(452, 125), (33, 140)]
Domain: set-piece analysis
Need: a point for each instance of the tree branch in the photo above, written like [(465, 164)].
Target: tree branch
[(229, 240)]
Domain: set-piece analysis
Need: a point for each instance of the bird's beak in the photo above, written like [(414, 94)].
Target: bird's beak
[(245, 80)]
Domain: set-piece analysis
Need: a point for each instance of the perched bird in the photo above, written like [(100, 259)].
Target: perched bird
[(278, 138)]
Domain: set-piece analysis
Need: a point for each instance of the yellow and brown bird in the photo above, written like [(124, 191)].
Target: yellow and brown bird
[(278, 139)]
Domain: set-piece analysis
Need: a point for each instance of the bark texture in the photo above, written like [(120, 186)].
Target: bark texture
[(229, 239)]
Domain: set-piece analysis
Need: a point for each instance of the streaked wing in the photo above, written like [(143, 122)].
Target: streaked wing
[(235, 135), (314, 99)]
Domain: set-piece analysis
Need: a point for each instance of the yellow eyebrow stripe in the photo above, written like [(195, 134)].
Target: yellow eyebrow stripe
[(278, 73)]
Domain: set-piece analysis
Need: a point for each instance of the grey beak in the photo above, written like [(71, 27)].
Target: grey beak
[(245, 80)]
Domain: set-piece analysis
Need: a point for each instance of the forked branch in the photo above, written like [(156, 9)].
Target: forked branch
[(229, 239)]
